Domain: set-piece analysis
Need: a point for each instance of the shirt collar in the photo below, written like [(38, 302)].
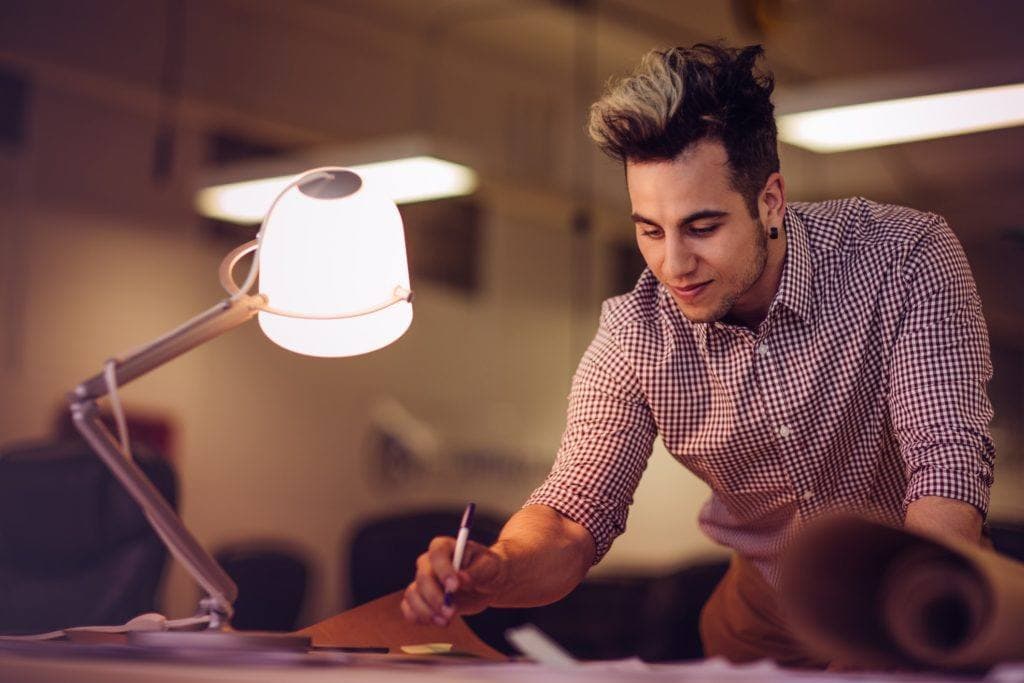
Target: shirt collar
[(796, 290)]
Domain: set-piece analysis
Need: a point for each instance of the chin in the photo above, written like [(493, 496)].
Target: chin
[(701, 318), (701, 315), (707, 309)]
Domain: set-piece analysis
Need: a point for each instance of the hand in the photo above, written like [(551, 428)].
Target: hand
[(472, 588)]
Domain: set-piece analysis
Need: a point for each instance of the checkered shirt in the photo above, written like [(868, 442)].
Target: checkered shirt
[(864, 388)]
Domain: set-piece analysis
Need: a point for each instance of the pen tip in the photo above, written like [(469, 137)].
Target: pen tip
[(467, 516)]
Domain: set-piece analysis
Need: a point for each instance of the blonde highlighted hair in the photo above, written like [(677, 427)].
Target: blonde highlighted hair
[(680, 96)]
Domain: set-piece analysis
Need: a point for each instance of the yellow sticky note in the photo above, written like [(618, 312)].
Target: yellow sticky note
[(427, 649)]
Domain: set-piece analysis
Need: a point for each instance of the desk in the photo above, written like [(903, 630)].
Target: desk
[(18, 669), (373, 624)]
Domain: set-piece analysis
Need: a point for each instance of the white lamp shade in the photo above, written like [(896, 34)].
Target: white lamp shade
[(334, 245)]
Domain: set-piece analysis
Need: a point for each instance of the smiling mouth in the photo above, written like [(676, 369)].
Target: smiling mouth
[(691, 291)]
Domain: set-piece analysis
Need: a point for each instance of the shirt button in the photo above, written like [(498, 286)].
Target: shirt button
[(808, 495), (785, 431), (762, 350)]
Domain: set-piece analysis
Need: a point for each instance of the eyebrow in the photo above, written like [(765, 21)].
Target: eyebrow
[(693, 217)]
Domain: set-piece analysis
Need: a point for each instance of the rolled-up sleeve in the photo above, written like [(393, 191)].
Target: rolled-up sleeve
[(607, 442), (941, 367)]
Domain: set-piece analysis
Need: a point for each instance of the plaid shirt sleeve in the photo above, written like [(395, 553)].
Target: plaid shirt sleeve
[(608, 439), (941, 365)]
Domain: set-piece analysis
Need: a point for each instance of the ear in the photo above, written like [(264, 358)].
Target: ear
[(772, 202)]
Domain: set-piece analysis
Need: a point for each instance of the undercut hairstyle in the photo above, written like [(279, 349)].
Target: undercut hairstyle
[(681, 96)]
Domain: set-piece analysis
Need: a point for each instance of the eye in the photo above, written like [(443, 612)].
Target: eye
[(704, 230), (652, 232)]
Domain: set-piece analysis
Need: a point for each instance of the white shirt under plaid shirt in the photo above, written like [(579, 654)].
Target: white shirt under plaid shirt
[(863, 388)]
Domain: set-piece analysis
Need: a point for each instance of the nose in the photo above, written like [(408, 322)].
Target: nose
[(680, 260)]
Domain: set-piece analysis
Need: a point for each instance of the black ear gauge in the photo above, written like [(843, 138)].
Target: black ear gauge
[(773, 233)]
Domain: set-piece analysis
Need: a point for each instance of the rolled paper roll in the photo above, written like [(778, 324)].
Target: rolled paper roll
[(873, 596)]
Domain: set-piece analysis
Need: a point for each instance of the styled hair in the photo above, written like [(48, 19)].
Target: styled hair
[(681, 96)]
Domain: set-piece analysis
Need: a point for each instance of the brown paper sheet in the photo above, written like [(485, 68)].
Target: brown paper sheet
[(864, 594), (380, 623)]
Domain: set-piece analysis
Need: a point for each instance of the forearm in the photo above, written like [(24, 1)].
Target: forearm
[(545, 556), (944, 518)]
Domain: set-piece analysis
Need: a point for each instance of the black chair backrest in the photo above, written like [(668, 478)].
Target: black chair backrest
[(75, 549), (272, 578)]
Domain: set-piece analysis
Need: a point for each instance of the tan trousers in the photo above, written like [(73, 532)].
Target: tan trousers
[(741, 621)]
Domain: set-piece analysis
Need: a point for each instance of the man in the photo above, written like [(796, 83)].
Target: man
[(799, 358)]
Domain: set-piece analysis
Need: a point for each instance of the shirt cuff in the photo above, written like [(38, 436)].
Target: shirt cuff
[(599, 522), (968, 486)]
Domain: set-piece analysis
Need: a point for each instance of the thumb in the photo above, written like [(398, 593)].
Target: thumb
[(482, 569)]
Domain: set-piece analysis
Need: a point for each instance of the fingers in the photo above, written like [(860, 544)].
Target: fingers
[(423, 601), (439, 557), (416, 609), (430, 590)]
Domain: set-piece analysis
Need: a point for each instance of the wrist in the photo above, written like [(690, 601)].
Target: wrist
[(504, 554), (944, 518)]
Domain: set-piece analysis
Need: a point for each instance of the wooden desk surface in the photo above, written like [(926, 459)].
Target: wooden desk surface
[(380, 623), (27, 669)]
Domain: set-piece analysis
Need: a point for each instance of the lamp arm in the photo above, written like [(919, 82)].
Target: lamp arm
[(223, 317), (221, 590)]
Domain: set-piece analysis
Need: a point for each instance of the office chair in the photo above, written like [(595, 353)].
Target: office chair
[(272, 579), (74, 548)]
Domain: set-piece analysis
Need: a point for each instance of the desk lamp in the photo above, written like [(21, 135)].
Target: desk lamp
[(333, 281)]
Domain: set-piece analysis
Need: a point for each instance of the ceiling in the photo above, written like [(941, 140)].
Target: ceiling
[(812, 46), (808, 40), (815, 48)]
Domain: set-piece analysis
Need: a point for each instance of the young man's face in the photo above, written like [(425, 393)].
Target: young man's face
[(698, 238)]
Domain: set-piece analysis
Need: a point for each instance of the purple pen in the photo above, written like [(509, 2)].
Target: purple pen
[(460, 545)]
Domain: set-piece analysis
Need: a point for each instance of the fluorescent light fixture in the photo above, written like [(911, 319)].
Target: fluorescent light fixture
[(407, 180), (890, 122)]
